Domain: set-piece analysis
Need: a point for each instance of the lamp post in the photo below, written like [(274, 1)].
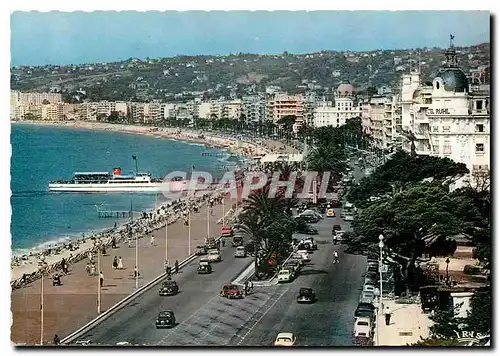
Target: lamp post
[(381, 305), (166, 241), (447, 276), (41, 306), (189, 232), (98, 280)]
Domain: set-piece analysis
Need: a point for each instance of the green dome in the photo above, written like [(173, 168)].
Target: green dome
[(454, 80)]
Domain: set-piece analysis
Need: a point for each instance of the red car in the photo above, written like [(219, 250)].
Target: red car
[(231, 291)]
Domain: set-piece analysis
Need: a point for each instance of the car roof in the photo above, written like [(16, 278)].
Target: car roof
[(285, 335), (165, 312), (363, 318)]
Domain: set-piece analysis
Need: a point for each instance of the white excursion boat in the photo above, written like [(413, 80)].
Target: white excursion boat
[(109, 182)]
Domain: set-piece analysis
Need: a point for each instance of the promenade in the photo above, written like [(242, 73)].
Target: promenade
[(72, 305), (408, 325)]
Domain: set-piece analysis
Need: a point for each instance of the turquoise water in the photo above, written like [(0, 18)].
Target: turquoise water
[(41, 154)]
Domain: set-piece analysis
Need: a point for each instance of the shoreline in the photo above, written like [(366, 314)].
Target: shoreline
[(29, 263)]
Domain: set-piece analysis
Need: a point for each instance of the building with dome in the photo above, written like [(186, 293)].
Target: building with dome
[(447, 118), (336, 114)]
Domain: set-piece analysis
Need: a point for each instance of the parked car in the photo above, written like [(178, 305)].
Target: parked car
[(306, 295), (305, 255), (311, 242), (294, 265), (285, 276), (204, 268), (169, 288), (363, 322), (364, 307), (201, 250), (370, 288), (231, 291), (226, 231), (240, 252), (285, 339), (339, 235), (165, 319), (367, 297), (308, 230)]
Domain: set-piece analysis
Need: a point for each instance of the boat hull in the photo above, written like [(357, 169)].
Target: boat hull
[(106, 188)]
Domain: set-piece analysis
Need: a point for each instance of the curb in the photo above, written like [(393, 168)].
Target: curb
[(248, 270), (103, 316)]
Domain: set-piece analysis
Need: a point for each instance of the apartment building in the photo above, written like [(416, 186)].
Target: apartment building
[(254, 108), (281, 105), (36, 98), (336, 114)]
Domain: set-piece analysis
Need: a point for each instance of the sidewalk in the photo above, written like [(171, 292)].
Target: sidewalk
[(408, 324), (69, 307)]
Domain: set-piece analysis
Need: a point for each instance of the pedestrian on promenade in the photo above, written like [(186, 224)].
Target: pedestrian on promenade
[(246, 288), (176, 266), (56, 340), (101, 278), (387, 316), (90, 256), (120, 262), (115, 262), (92, 269), (113, 242), (152, 240), (129, 241), (250, 285), (136, 272)]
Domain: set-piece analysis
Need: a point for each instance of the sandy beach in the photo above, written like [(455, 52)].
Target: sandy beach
[(72, 305)]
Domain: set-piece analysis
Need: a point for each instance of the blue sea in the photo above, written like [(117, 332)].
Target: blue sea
[(41, 154)]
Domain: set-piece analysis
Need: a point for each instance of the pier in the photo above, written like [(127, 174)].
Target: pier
[(114, 214)]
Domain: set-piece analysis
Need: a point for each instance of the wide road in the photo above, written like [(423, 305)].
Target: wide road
[(329, 321), (135, 323)]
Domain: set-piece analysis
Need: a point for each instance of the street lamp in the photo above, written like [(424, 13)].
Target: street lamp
[(447, 276), (381, 306)]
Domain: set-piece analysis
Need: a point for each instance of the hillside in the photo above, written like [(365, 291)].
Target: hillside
[(216, 76)]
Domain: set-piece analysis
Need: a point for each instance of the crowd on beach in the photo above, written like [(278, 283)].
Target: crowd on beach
[(56, 259)]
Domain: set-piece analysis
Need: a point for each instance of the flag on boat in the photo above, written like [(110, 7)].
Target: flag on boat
[(134, 157)]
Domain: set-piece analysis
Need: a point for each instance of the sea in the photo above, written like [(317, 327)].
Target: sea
[(41, 154)]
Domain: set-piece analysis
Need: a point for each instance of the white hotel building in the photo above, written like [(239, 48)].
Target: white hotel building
[(344, 108), (448, 119)]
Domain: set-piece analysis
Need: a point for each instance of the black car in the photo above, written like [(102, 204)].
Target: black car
[(306, 295), (165, 319), (169, 288), (237, 241), (335, 228), (308, 230), (363, 309), (204, 268)]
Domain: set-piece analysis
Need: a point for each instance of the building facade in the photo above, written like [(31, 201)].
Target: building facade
[(281, 105)]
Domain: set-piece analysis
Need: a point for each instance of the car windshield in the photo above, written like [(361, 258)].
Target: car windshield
[(214, 252), (284, 272), (362, 323), (166, 314)]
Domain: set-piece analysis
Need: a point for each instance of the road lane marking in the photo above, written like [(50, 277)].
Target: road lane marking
[(262, 316)]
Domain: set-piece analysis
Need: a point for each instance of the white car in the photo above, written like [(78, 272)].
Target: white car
[(339, 235), (370, 288), (285, 275), (240, 252), (304, 254), (285, 339), (360, 322), (213, 255)]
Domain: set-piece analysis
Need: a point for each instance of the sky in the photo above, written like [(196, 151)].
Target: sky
[(39, 38)]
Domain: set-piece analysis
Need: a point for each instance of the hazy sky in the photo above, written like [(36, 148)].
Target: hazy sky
[(84, 37)]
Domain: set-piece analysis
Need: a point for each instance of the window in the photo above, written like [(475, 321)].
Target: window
[(480, 148), (447, 147), (479, 105), (446, 129), (479, 128), (435, 128), (437, 85)]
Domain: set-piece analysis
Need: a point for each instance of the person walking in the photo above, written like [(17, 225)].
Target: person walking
[(115, 262), (136, 272), (113, 242), (250, 285), (387, 316), (129, 241), (176, 266), (152, 240), (120, 263), (56, 340), (101, 278)]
